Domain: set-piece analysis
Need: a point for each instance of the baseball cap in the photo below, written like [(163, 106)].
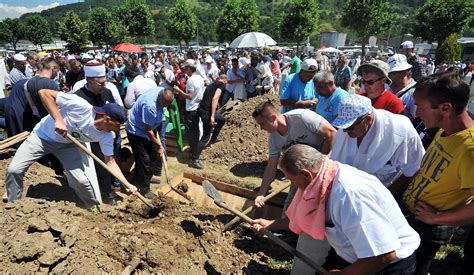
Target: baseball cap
[(190, 63), (379, 65), (397, 63), (19, 57), (113, 110), (350, 109), (310, 65), (407, 45), (209, 59)]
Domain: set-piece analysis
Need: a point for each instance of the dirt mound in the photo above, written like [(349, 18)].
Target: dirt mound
[(39, 233), (244, 141)]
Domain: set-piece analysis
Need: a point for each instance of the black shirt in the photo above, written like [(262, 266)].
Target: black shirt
[(209, 94), (97, 100), (38, 83)]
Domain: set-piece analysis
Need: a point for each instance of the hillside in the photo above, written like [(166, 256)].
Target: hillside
[(208, 10)]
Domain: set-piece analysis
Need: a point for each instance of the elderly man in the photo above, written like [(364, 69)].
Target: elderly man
[(377, 142), (351, 209), (296, 126), (297, 90), (440, 196), (31, 62), (418, 69), (343, 73), (329, 96), (84, 122), (374, 76), (402, 84), (145, 117), (17, 73), (165, 77)]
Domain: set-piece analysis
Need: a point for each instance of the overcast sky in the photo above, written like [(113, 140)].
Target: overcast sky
[(15, 8)]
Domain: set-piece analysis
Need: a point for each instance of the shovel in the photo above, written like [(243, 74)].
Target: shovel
[(165, 166), (121, 179), (212, 192)]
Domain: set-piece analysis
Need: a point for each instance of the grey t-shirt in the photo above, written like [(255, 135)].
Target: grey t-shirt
[(303, 128)]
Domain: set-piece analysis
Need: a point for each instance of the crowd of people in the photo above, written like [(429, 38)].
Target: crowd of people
[(378, 151)]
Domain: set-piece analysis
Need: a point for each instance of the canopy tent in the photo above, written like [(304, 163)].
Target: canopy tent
[(252, 40), (329, 50)]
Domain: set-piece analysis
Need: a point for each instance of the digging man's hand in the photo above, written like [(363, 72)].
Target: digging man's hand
[(259, 201)]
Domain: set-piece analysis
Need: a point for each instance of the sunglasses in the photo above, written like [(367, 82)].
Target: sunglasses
[(371, 82), (355, 124)]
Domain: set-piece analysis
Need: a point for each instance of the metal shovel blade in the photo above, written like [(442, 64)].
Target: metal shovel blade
[(212, 192)]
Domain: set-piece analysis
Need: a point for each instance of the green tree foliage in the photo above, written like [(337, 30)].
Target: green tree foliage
[(366, 18), (300, 21), (136, 16), (437, 19), (12, 30), (74, 31), (104, 29), (237, 17), (37, 30), (449, 51), (181, 23)]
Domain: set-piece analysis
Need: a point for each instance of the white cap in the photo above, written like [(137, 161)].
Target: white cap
[(209, 59), (19, 57), (190, 63), (94, 68), (310, 65), (397, 63), (407, 45), (244, 61)]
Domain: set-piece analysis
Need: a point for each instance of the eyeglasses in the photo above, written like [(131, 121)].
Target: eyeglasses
[(371, 82), (102, 83), (355, 124)]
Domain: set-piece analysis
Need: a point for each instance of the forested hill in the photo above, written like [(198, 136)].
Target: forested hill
[(207, 11)]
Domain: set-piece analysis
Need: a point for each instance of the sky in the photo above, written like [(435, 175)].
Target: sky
[(15, 8)]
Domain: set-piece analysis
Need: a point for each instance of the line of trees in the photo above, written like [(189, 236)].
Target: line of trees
[(291, 21)]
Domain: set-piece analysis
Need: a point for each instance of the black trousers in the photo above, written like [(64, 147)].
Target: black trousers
[(146, 158), (207, 129), (192, 131)]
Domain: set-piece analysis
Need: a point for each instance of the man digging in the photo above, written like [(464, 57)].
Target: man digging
[(83, 121)]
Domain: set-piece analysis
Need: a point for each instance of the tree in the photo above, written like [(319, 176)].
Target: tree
[(136, 16), (366, 18), (12, 30), (181, 23), (437, 19), (227, 25), (449, 51), (37, 30), (74, 31), (237, 17), (103, 29), (300, 20)]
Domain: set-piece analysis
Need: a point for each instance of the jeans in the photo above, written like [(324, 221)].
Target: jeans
[(225, 97), (207, 129), (192, 131)]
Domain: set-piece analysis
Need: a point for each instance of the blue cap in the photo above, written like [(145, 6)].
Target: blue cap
[(113, 110), (350, 109)]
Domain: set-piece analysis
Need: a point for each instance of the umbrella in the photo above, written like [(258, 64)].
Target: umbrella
[(252, 40), (128, 47), (330, 50)]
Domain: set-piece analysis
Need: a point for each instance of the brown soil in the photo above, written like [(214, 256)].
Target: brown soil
[(245, 146), (48, 232)]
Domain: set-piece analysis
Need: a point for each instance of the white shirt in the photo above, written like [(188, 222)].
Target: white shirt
[(214, 72), (367, 220), (137, 87), (79, 120), (109, 85), (195, 84), (200, 70), (232, 76), (169, 75)]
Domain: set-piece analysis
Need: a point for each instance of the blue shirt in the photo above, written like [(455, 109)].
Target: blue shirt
[(146, 111), (327, 106), (294, 88)]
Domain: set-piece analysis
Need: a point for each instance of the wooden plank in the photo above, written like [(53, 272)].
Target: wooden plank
[(233, 189)]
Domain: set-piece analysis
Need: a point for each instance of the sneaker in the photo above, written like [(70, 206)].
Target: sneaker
[(218, 139), (110, 199), (94, 209), (197, 164), (149, 195)]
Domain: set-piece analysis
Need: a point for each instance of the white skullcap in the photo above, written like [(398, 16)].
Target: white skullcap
[(94, 68)]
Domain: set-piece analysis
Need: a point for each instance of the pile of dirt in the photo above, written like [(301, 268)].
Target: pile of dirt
[(42, 233), (244, 141)]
